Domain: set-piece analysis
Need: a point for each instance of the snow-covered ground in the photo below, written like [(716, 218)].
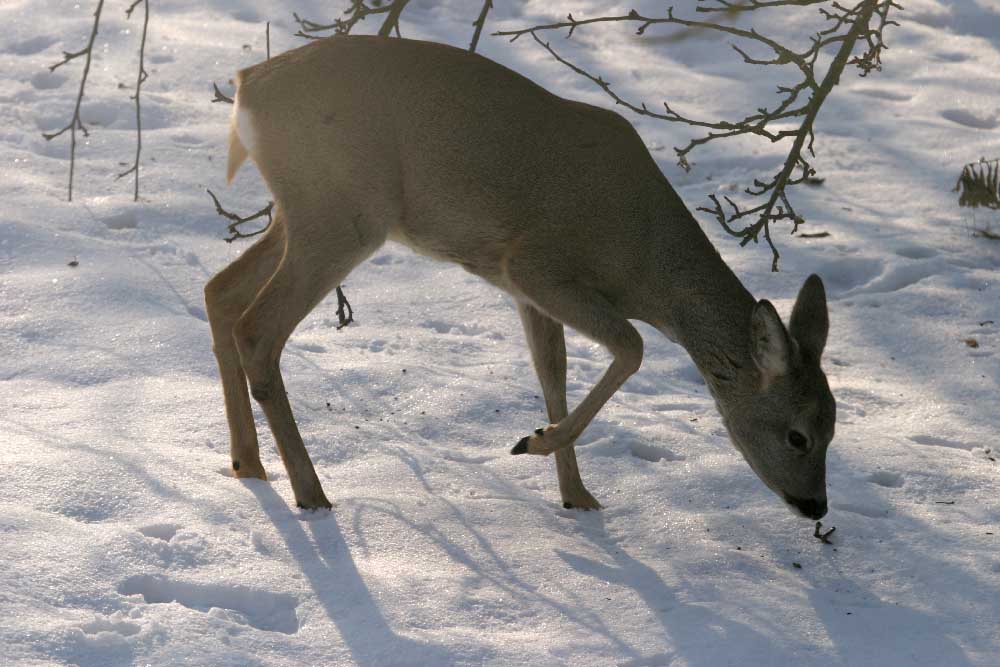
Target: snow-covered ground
[(124, 540)]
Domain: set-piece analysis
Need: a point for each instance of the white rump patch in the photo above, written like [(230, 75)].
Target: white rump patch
[(244, 127)]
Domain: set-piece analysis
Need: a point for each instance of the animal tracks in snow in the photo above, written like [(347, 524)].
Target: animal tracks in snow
[(114, 624), (881, 94), (652, 453), (887, 479), (160, 531), (969, 119), (935, 441), (274, 612)]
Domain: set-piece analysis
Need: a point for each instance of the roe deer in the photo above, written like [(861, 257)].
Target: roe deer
[(558, 203)]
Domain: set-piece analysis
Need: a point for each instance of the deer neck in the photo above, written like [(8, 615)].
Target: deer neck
[(705, 308)]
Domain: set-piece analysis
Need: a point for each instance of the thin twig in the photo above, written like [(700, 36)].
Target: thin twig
[(479, 23), (342, 303), (750, 5), (76, 123), (357, 12), (267, 36), (794, 159), (821, 536), (140, 79), (237, 220), (219, 97)]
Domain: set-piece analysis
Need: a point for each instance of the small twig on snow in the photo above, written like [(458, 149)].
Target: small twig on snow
[(823, 537), (219, 97), (343, 303)]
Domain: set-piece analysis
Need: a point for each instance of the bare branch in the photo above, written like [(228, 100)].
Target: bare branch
[(237, 220), (479, 23), (140, 79), (796, 169), (357, 11), (342, 303), (750, 5), (75, 122)]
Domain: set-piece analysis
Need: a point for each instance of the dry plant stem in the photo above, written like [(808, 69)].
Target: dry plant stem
[(749, 5), (140, 79), (479, 23), (342, 303), (237, 220), (821, 536), (357, 12), (219, 97), (979, 184), (76, 123), (267, 37)]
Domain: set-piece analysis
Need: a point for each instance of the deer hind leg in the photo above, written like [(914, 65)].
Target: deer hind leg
[(319, 254), (548, 352), (227, 296), (589, 312)]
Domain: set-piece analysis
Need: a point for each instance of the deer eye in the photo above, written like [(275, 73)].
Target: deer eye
[(798, 441)]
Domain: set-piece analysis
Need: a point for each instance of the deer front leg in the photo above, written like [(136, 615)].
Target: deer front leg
[(590, 313), (548, 352)]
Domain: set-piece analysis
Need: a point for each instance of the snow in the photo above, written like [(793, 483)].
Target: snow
[(125, 541)]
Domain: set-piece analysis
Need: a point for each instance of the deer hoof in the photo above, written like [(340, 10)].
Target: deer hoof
[(585, 504), (248, 470), (521, 447), (535, 443), (316, 504)]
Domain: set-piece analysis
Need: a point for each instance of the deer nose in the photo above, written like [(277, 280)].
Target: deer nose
[(811, 508)]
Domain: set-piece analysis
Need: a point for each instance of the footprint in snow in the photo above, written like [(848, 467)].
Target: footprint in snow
[(915, 251), (969, 119), (887, 479), (273, 612), (879, 93), (870, 510), (935, 441), (844, 274), (900, 276), (114, 624), (47, 80), (160, 531), (31, 46), (652, 453)]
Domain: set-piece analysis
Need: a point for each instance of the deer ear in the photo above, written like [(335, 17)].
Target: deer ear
[(770, 346), (810, 322)]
